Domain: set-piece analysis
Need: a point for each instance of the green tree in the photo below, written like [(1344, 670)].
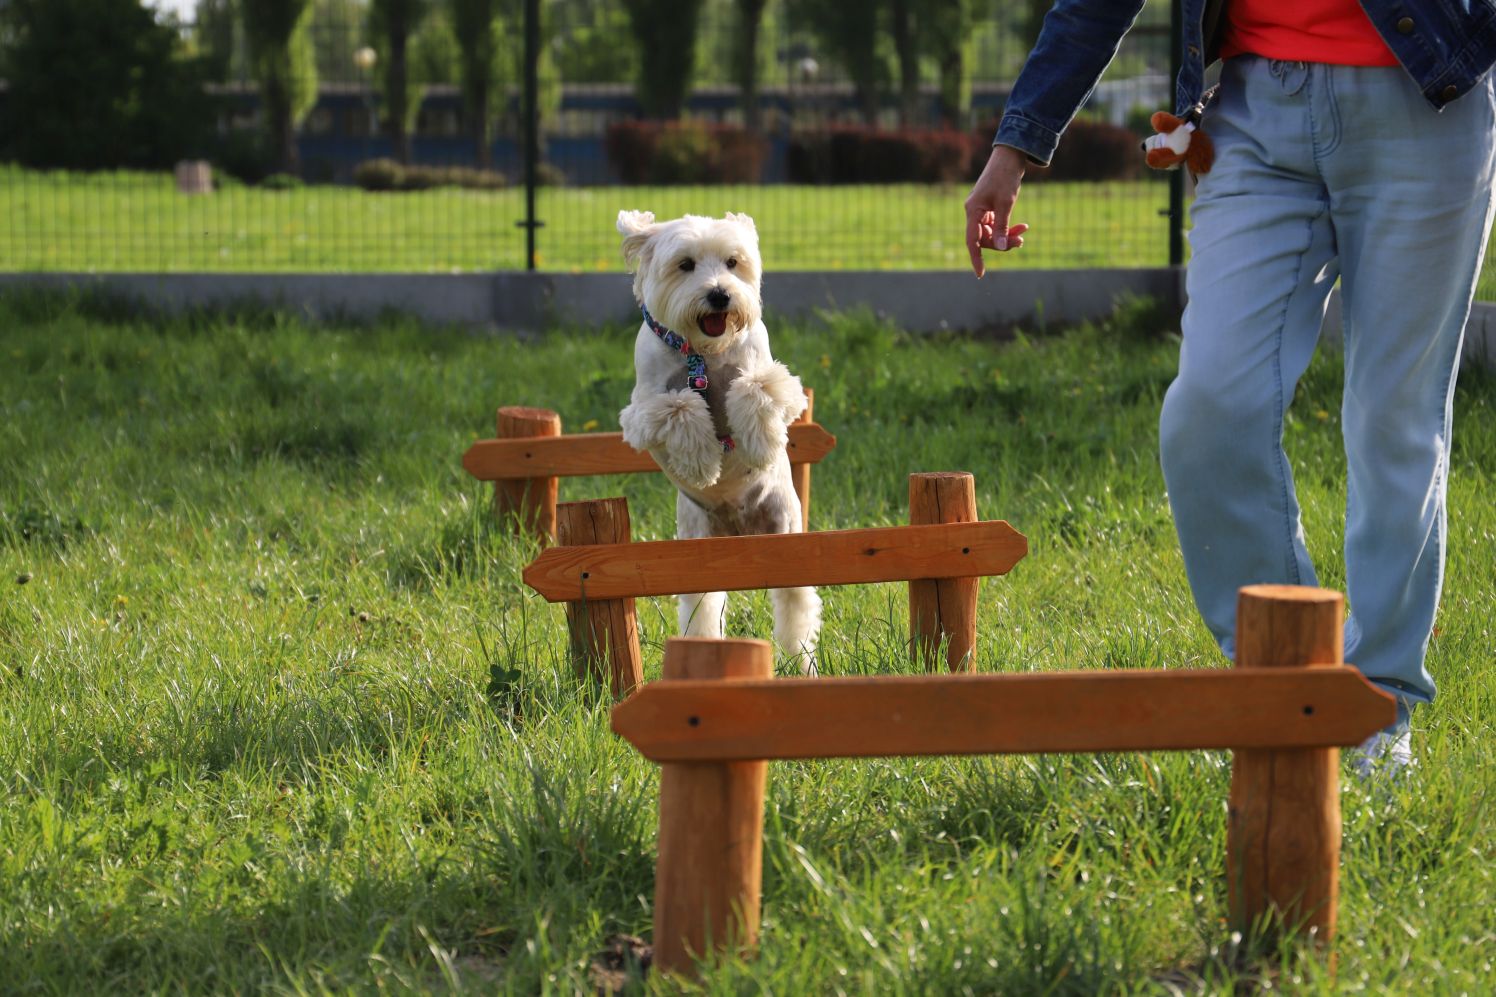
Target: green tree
[(665, 52), (750, 25), (100, 84), (339, 33), (849, 33), (280, 46), (392, 23), (215, 38), (948, 33), (481, 28)]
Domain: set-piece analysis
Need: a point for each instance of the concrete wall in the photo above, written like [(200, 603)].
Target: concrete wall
[(526, 302), (923, 301)]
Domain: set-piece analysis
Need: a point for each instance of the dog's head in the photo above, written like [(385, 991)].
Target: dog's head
[(697, 276)]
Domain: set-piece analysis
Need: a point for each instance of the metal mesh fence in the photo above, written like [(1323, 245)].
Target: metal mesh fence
[(849, 131)]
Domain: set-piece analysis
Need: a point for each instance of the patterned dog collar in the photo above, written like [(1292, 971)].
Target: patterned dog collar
[(695, 363)]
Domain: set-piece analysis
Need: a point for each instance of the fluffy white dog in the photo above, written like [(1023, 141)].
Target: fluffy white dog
[(711, 404)]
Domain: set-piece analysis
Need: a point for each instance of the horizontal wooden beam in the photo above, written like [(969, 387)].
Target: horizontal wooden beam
[(726, 564), (1157, 710), (602, 453)]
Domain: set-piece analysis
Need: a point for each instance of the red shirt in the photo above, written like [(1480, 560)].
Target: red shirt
[(1333, 31)]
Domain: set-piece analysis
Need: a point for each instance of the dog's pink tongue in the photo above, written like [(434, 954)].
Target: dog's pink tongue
[(714, 324)]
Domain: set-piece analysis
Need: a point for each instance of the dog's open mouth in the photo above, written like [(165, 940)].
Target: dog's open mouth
[(713, 323)]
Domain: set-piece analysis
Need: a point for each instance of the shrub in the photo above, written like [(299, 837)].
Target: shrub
[(244, 155), (684, 152), (1089, 150), (868, 155), (388, 175), (282, 181)]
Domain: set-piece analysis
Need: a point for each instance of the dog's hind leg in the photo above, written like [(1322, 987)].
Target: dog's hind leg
[(797, 624), (702, 614)]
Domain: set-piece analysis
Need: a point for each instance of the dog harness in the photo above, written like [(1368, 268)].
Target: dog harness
[(695, 364)]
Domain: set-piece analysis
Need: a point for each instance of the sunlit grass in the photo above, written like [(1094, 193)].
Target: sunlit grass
[(277, 714)]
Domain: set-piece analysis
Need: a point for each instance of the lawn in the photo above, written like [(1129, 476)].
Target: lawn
[(137, 221), (276, 713)]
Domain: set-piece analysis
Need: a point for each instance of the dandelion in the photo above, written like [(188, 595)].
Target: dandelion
[(825, 361), (589, 425), (1322, 415)]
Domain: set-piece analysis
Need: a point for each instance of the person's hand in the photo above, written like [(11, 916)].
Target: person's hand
[(989, 206)]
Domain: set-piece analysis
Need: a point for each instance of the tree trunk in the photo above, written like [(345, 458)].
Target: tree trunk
[(905, 44), (482, 145), (752, 13), (278, 106), (398, 89)]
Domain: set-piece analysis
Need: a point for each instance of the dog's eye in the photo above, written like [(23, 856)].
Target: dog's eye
[(686, 266), (732, 263)]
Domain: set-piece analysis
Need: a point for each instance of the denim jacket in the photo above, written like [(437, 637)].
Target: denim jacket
[(1446, 47)]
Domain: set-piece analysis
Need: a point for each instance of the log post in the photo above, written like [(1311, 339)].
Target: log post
[(531, 501), (943, 608), (1283, 835), (800, 473), (604, 633), (710, 866)]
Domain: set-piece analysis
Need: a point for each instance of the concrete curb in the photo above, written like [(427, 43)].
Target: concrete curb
[(921, 301), (526, 302)]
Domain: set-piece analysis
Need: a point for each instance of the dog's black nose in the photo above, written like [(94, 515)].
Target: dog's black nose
[(718, 298)]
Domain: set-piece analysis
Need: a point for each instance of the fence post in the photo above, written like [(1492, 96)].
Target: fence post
[(532, 500), (710, 866), (946, 607), (1283, 835), (800, 473), (604, 633)]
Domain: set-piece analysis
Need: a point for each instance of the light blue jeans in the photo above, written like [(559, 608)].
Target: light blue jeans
[(1323, 172)]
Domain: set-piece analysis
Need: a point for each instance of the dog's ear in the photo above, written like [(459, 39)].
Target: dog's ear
[(636, 227), (742, 220)]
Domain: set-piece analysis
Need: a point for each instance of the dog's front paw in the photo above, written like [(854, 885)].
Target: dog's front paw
[(676, 427), (760, 406)]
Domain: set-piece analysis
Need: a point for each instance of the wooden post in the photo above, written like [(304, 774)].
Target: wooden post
[(944, 608), (532, 500), (1283, 836), (710, 866), (800, 473), (604, 632)]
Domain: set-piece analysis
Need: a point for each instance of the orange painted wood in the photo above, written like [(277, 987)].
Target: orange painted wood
[(529, 500), (601, 453), (604, 632), (1001, 714), (1283, 829), (800, 473), (838, 557), (943, 610), (709, 874)]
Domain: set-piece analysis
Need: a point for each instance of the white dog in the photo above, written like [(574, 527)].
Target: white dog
[(711, 404)]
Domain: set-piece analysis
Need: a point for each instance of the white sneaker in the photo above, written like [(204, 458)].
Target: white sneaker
[(1385, 753)]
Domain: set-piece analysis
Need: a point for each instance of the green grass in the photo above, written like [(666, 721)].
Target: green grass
[(137, 221), (276, 713)]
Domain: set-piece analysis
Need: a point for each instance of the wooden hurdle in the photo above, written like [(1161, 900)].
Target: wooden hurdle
[(531, 454), (942, 556), (717, 717)]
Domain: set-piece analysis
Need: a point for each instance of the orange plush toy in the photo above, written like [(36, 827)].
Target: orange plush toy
[(1179, 140)]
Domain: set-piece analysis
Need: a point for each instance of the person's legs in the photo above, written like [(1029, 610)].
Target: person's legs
[(1411, 206), (1262, 265)]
